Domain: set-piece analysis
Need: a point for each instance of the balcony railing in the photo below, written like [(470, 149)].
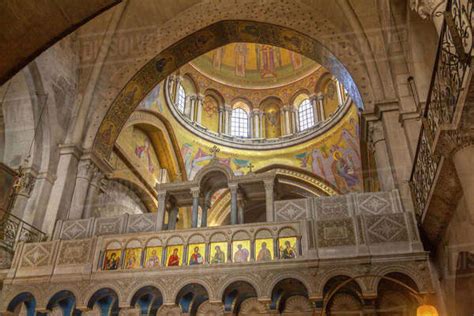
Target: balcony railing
[(14, 230), (447, 83)]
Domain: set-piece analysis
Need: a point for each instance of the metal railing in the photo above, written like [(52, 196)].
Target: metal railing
[(14, 230), (450, 70)]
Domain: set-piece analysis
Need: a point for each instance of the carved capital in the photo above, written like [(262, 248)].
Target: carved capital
[(195, 192), (161, 196), (427, 8)]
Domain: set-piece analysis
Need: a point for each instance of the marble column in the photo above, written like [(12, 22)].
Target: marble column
[(221, 126), (228, 117), (171, 88), (256, 123), (269, 186), (199, 104), (340, 96), (294, 120), (177, 82), (463, 162), (286, 120), (233, 203), (314, 103), (92, 193), (161, 210), (85, 169), (322, 115), (378, 144), (173, 217), (194, 211), (251, 124)]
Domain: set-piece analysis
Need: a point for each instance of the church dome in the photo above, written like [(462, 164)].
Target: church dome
[(254, 66)]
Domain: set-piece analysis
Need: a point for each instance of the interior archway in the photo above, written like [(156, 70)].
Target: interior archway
[(211, 37)]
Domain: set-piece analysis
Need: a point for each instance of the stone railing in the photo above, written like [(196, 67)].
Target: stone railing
[(12, 231), (311, 241), (448, 82)]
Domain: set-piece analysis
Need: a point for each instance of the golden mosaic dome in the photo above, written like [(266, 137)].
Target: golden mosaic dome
[(254, 66)]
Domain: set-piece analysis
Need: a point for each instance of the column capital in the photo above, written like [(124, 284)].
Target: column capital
[(233, 187), (269, 184), (195, 192), (161, 195)]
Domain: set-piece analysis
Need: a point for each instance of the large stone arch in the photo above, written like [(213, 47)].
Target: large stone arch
[(204, 40)]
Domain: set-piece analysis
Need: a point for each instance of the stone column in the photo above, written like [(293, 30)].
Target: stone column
[(85, 170), (378, 144), (256, 122), (233, 203), (199, 102), (172, 218), (161, 210), (221, 125), (314, 103), (92, 193), (295, 120), (205, 207), (286, 120), (228, 115), (269, 186), (340, 96), (463, 162), (240, 208), (63, 188), (322, 115), (194, 211), (251, 121), (177, 81), (189, 107)]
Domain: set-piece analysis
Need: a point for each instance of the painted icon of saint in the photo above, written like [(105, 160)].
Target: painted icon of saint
[(219, 256), (241, 255), (264, 254), (153, 260), (173, 260), (288, 252), (112, 262), (131, 262), (196, 257)]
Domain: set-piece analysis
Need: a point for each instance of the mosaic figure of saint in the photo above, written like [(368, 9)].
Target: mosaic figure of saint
[(240, 59), (288, 252), (241, 255), (267, 65), (219, 256), (196, 257), (264, 254), (173, 260), (343, 172), (112, 263), (153, 260), (145, 149), (131, 262)]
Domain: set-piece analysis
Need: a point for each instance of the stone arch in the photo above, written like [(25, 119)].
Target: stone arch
[(235, 291), (88, 296), (64, 299), (23, 298), (422, 284), (323, 279), (245, 103), (240, 278), (178, 287), (107, 299), (394, 297), (214, 167), (197, 44), (312, 183), (286, 287), (348, 298), (148, 298), (190, 84), (294, 96), (191, 296)]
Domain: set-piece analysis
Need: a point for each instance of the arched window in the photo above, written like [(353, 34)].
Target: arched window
[(181, 98), (305, 115), (239, 125)]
